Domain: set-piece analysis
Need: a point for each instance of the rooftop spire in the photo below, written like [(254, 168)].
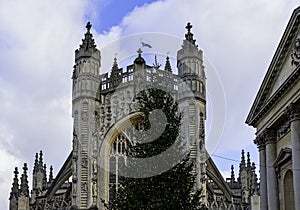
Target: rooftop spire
[(115, 64), (243, 163), (88, 42), (36, 163), (41, 160), (44, 184), (168, 65), (189, 35), (24, 189), (232, 174), (88, 27), (248, 160), (51, 174), (15, 185)]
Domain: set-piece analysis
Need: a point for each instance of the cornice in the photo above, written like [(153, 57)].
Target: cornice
[(281, 91), (287, 39), (293, 112)]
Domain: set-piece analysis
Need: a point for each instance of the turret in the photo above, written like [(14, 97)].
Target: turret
[(88, 48), (190, 65), (86, 70), (192, 101), (85, 110)]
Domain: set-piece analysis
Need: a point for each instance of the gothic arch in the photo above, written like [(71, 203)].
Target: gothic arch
[(104, 150)]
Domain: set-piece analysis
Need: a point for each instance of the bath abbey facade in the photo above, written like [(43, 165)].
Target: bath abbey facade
[(103, 111)]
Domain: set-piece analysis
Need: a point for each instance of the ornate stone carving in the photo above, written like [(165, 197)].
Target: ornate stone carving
[(84, 187), (84, 162), (283, 129), (296, 52), (293, 112), (75, 144), (74, 188), (269, 135), (95, 169), (260, 142), (94, 188), (84, 116)]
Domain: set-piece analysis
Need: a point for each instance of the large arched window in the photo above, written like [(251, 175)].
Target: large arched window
[(288, 190), (117, 157)]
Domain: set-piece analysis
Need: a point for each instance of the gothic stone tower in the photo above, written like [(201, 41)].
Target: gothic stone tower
[(98, 110), (192, 99), (105, 118), (85, 111)]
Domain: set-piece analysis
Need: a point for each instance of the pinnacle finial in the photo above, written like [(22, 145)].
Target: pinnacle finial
[(139, 59), (88, 42), (189, 26), (168, 65), (51, 174), (88, 26), (41, 159), (139, 51), (25, 168), (248, 160), (243, 163), (115, 64), (24, 189), (243, 155), (232, 174), (189, 35), (36, 162), (15, 185)]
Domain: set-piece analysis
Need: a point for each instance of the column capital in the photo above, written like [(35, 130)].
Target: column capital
[(292, 111), (260, 142), (269, 135)]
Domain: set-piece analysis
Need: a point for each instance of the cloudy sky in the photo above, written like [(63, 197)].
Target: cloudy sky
[(37, 43)]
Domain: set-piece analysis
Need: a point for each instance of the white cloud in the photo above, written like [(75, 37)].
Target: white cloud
[(239, 39), (37, 43), (38, 39)]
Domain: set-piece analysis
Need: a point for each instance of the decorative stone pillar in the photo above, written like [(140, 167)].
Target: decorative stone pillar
[(293, 113), (261, 145), (269, 136), (260, 142)]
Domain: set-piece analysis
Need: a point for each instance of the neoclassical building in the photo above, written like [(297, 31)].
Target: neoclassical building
[(275, 114), (104, 121)]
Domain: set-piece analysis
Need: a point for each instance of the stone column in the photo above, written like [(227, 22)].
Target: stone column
[(272, 184), (260, 142), (293, 113)]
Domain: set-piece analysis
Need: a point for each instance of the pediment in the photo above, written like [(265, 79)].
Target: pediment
[(284, 65)]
